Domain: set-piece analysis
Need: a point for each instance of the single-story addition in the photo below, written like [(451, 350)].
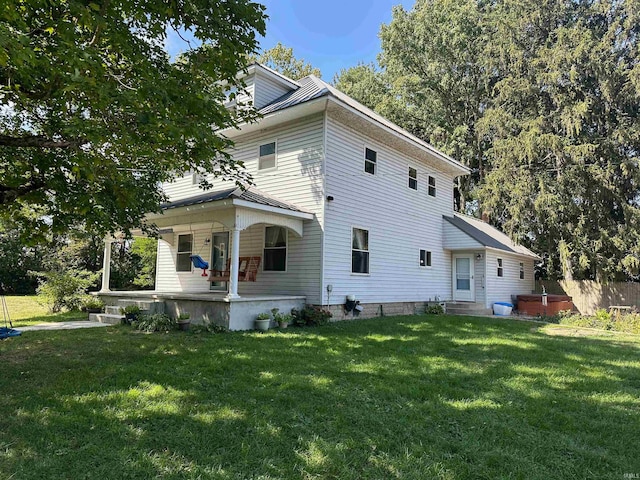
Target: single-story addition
[(344, 204)]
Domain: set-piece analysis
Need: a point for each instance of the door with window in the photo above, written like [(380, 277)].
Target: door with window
[(463, 288), (219, 257)]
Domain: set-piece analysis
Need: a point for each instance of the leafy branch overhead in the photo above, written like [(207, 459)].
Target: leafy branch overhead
[(94, 113)]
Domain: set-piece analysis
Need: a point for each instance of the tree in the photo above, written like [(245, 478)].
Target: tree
[(366, 84), (281, 59), (94, 114)]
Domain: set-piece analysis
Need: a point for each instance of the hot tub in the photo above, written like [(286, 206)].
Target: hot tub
[(532, 304)]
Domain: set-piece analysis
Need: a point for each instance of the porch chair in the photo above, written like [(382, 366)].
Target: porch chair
[(247, 270)]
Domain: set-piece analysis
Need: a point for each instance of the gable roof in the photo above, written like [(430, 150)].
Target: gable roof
[(487, 235), (251, 194)]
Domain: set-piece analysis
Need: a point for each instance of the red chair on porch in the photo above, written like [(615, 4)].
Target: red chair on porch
[(247, 270)]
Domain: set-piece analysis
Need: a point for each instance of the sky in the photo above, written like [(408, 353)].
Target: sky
[(329, 34)]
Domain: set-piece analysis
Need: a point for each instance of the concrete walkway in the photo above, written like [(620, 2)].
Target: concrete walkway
[(62, 326)]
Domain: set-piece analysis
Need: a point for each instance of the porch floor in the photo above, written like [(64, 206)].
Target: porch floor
[(202, 297)]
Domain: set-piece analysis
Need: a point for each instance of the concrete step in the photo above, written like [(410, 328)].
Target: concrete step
[(112, 309), (147, 306), (108, 318)]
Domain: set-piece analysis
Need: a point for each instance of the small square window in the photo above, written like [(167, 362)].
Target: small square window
[(267, 156), (425, 258), (413, 178), (432, 186), (500, 269), (521, 271), (370, 160), (183, 256)]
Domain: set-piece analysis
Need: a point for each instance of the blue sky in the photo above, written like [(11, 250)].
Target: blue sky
[(329, 34)]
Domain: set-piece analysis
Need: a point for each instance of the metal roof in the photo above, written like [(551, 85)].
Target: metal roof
[(251, 194), (487, 235), (309, 90)]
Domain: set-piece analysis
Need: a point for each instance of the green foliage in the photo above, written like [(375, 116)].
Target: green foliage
[(184, 316), (133, 264), (157, 322), (619, 322), (281, 59), (263, 316), (92, 303), (281, 318), (17, 261), (208, 328), (434, 309), (95, 114), (66, 289), (310, 316), (132, 310)]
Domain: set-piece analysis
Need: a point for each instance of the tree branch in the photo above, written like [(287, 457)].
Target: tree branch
[(38, 141), (10, 194)]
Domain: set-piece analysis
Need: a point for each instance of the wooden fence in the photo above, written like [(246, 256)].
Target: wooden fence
[(588, 296)]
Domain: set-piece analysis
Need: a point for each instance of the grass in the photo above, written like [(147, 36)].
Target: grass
[(25, 310), (420, 397)]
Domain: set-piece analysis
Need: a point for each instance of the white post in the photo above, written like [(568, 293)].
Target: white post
[(106, 266), (235, 263)]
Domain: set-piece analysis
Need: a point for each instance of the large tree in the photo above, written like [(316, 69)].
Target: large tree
[(282, 59), (94, 114)]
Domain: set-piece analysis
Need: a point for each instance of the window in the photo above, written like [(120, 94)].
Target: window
[(425, 258), (413, 178), (500, 269), (521, 271), (183, 262), (267, 156), (370, 160), (360, 251), (275, 249), (432, 186)]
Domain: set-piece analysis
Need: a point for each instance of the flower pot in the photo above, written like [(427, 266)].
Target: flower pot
[(128, 318), (262, 324), (94, 310), (283, 324), (184, 325)]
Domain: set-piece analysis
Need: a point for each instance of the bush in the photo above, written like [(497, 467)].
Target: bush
[(92, 303), (310, 316), (65, 289), (603, 320), (435, 309), (158, 322)]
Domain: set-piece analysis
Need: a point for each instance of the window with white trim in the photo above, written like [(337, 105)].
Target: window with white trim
[(370, 161), (267, 158), (183, 255), (413, 178), (521, 271), (500, 269), (275, 249), (425, 258), (359, 250), (432, 186)]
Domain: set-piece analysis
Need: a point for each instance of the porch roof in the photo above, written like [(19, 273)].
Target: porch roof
[(486, 235)]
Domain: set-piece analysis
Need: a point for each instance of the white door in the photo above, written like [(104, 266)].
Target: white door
[(463, 288)]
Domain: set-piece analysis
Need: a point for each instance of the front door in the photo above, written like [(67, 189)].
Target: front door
[(463, 288), (219, 257)]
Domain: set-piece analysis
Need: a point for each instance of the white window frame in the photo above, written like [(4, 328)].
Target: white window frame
[(522, 275), (500, 268), (429, 186), (364, 157), (428, 258), (351, 249), (190, 252), (412, 178), (286, 249), (275, 156)]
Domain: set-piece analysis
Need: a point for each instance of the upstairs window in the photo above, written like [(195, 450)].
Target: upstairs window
[(370, 160), (432, 186), (183, 260), (267, 156), (521, 271), (275, 249), (413, 178), (500, 269), (425, 258), (360, 251)]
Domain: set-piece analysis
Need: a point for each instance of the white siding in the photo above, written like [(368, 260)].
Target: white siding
[(267, 90), (500, 289), (456, 239), (298, 180), (400, 221), (479, 277)]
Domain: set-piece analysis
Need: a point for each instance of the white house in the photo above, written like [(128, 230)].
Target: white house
[(344, 203)]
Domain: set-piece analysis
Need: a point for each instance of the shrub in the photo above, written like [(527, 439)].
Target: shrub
[(603, 320), (65, 289), (435, 309), (92, 303), (158, 322), (310, 316)]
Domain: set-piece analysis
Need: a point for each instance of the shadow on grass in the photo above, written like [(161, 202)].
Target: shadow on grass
[(50, 317), (408, 397)]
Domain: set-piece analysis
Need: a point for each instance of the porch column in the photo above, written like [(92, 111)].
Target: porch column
[(106, 266), (235, 263)]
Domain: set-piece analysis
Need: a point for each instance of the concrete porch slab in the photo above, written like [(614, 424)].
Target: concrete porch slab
[(62, 326)]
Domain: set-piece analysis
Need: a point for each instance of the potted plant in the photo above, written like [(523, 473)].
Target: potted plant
[(282, 319), (184, 321), (262, 322), (131, 313), (93, 305)]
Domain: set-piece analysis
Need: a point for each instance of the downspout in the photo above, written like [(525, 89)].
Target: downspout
[(323, 172)]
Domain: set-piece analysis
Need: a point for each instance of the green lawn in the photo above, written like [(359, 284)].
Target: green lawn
[(405, 397), (25, 310)]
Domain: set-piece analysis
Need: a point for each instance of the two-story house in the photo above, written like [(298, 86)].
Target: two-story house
[(344, 203)]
